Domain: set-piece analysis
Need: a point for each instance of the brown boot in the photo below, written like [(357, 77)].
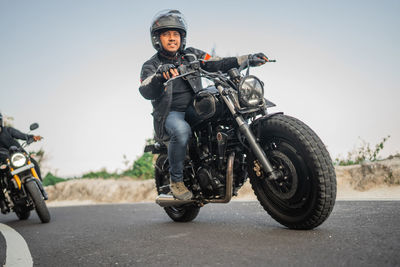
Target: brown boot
[(180, 191)]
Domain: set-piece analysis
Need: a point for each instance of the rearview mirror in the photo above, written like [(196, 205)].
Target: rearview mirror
[(34, 126)]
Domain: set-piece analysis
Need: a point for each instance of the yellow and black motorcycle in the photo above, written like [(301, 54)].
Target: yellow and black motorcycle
[(20, 185)]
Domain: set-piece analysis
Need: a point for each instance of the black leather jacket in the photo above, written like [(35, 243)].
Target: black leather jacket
[(152, 87), (8, 136)]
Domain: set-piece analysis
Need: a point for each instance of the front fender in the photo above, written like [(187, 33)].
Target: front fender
[(256, 124)]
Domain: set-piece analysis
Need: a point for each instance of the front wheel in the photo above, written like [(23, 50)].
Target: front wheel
[(38, 201), (185, 213), (304, 194)]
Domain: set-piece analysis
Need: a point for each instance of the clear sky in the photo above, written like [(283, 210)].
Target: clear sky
[(73, 67)]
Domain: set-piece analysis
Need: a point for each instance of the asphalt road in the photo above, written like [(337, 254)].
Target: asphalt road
[(358, 233)]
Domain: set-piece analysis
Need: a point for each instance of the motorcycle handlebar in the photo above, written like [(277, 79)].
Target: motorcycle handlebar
[(30, 141), (247, 65), (243, 66), (179, 76)]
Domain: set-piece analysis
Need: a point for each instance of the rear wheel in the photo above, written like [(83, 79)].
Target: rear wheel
[(185, 213), (38, 200), (304, 194)]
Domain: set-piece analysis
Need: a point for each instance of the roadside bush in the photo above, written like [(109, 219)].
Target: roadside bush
[(142, 167), (362, 153), (103, 173), (50, 179)]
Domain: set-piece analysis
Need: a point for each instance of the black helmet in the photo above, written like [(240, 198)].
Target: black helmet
[(168, 19)]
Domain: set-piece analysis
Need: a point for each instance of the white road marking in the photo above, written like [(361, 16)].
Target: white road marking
[(18, 253)]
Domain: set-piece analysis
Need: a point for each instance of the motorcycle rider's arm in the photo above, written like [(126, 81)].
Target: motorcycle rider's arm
[(214, 64), (19, 135), (151, 86)]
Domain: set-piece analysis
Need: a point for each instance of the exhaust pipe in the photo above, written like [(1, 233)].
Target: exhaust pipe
[(229, 182), (168, 200)]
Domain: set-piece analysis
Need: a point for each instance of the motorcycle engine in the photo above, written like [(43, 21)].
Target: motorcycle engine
[(210, 185)]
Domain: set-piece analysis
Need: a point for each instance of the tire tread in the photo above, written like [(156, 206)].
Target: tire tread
[(324, 169)]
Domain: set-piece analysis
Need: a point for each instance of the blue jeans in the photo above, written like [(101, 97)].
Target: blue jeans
[(179, 131)]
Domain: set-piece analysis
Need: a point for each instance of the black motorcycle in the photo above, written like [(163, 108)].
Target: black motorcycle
[(22, 189), (234, 137)]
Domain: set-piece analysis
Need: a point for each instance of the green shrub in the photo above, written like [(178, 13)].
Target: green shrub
[(103, 173), (362, 153), (142, 167), (50, 179)]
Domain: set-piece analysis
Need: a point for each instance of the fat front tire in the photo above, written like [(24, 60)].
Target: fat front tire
[(38, 201), (304, 194), (185, 213)]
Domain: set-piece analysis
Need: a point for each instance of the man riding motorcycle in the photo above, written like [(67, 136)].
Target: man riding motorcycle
[(9, 134), (171, 104), (7, 139)]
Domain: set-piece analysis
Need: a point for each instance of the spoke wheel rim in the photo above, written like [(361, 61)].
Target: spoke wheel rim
[(285, 186), (297, 189)]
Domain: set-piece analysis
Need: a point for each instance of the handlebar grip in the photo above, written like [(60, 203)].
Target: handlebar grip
[(257, 60), (271, 60)]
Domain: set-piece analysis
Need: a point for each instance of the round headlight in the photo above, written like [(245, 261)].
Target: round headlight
[(18, 160), (251, 91)]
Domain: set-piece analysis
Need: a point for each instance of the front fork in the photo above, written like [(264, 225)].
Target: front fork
[(34, 177), (245, 130), (18, 180)]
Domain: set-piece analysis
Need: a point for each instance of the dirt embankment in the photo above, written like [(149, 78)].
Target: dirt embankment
[(379, 180), (102, 191), (370, 175)]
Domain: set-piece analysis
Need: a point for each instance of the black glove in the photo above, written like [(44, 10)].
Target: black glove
[(165, 68), (257, 59), (30, 139)]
